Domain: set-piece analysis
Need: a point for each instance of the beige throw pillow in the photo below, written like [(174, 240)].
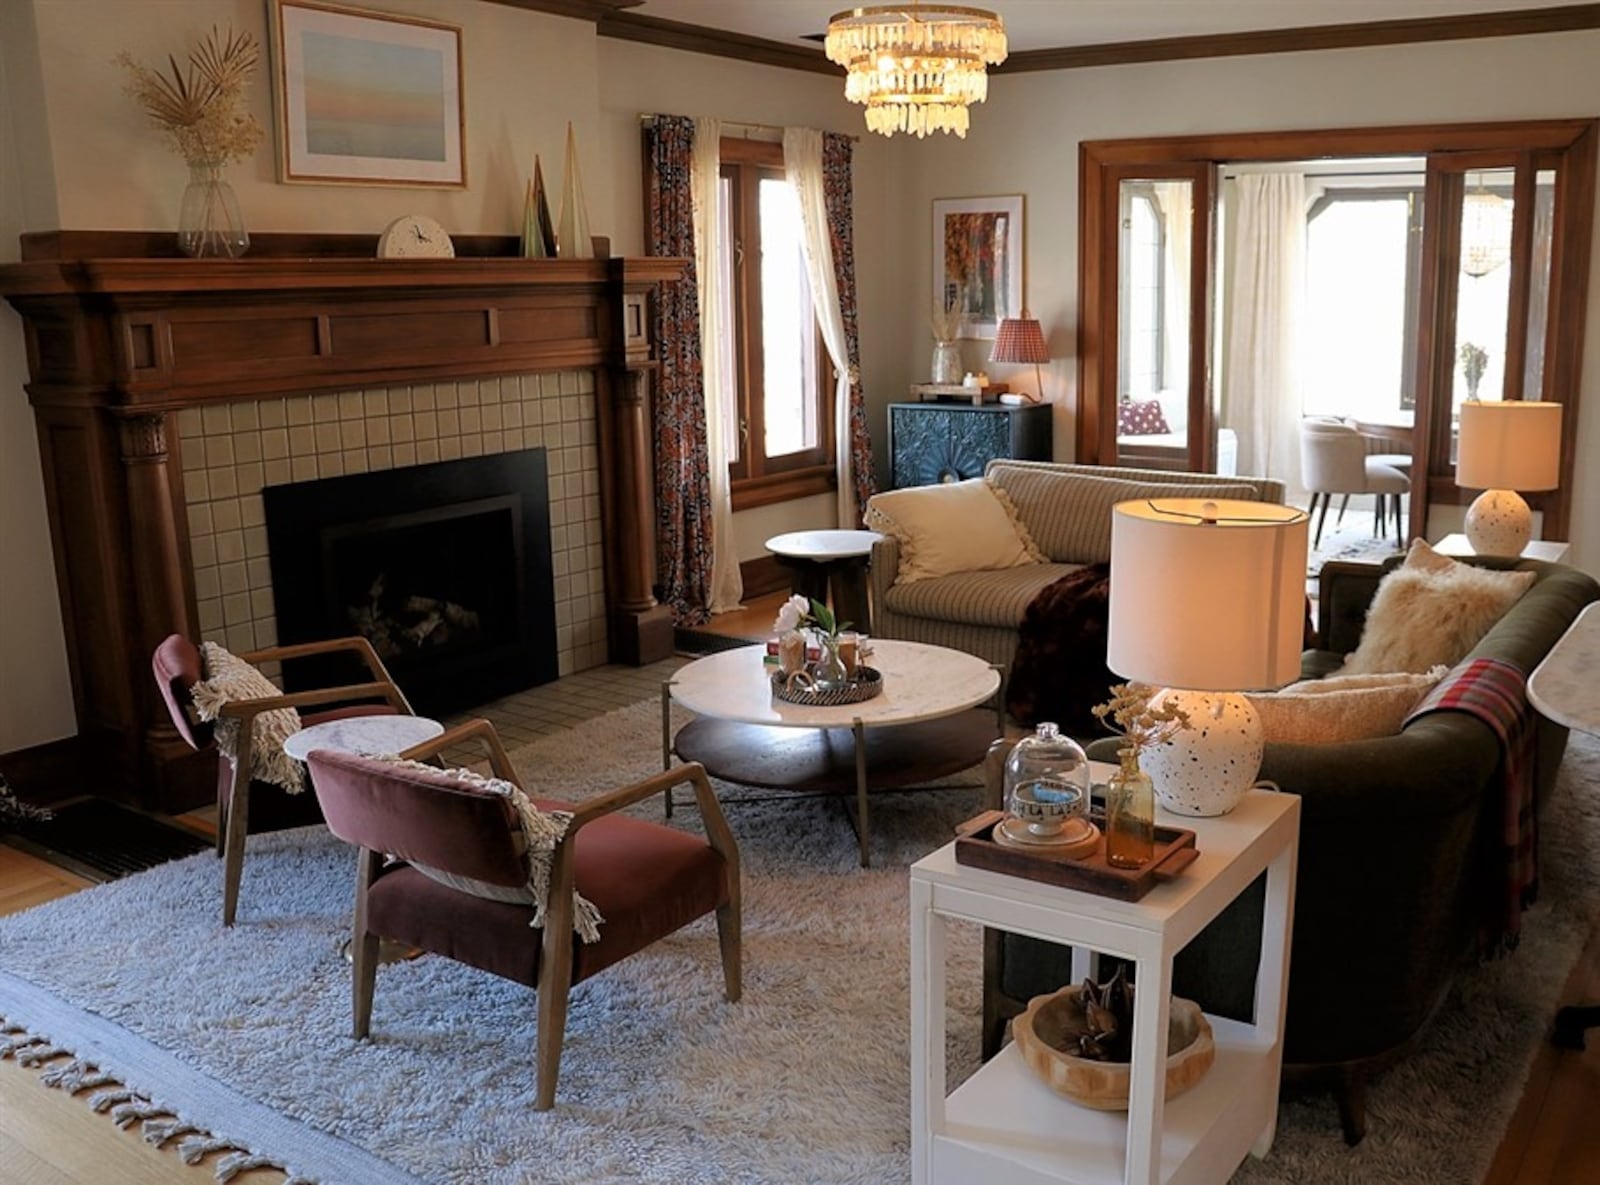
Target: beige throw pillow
[(963, 526), (535, 835), (229, 679), (1342, 707), (1421, 618)]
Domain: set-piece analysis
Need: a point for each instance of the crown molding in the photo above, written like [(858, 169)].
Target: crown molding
[(1312, 37), (612, 20)]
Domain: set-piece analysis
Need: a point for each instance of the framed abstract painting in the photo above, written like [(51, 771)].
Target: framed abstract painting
[(977, 260), (366, 97)]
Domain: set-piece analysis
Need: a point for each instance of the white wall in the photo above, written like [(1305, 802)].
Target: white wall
[(1025, 140), (35, 690)]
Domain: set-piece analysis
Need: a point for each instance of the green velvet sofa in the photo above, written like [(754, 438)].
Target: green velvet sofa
[(1384, 908)]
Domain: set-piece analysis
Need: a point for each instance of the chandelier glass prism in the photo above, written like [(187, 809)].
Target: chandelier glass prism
[(916, 69)]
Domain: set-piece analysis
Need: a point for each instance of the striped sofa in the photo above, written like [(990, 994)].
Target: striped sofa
[(1067, 510)]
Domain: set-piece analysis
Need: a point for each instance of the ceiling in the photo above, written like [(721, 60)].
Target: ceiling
[(1053, 24)]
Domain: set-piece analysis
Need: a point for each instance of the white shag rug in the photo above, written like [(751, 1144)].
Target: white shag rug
[(245, 1033)]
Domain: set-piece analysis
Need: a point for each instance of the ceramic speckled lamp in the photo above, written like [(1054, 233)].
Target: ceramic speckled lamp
[(1207, 600), (1505, 447)]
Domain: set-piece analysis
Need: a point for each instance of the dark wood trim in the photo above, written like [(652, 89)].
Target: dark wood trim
[(649, 30), (149, 244), (583, 10), (1569, 289), (763, 575), (751, 492), (47, 773), (1561, 18)]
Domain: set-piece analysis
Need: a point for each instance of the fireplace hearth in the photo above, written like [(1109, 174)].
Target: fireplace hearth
[(446, 568)]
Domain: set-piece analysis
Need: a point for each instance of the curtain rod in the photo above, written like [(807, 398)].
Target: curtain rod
[(647, 116)]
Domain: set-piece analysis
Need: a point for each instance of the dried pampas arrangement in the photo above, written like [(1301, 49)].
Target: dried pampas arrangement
[(202, 107)]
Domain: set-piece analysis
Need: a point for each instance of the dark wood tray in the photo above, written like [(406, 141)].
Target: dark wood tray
[(1175, 851)]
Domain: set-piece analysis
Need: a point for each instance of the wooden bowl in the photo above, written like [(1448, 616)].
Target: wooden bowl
[(1054, 1020)]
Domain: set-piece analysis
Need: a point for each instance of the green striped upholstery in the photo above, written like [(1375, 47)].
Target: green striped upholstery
[(976, 598)]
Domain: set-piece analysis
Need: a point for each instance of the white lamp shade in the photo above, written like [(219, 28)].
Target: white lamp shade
[(1207, 595), (1510, 445)]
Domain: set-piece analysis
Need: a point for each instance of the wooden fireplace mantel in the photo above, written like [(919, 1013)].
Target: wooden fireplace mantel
[(119, 335)]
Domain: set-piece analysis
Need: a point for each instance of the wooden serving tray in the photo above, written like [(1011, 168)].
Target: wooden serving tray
[(976, 846)]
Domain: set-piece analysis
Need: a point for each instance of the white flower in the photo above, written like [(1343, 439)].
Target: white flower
[(794, 611)]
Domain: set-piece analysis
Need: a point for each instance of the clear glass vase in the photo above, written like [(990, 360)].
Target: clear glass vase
[(946, 362), (209, 223), (829, 673), (1130, 814)]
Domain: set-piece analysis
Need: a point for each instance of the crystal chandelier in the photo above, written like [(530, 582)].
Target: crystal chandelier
[(1485, 231), (916, 69)]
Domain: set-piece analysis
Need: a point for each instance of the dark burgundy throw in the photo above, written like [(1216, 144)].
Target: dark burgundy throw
[(1059, 671)]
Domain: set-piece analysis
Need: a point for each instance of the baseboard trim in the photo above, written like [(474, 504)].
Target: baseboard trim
[(47, 773)]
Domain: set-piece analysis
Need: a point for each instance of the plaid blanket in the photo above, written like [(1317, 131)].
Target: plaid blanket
[(1495, 692)]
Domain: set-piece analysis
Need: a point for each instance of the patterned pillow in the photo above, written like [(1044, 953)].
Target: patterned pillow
[(229, 679), (535, 835), (1137, 417)]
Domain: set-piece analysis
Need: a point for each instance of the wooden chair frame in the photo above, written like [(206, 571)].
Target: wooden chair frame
[(233, 815), (555, 965)]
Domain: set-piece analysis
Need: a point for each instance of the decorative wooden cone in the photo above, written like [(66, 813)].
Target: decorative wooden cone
[(538, 233), (572, 226)]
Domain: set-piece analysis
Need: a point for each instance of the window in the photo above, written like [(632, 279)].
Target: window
[(1144, 247), (781, 418)]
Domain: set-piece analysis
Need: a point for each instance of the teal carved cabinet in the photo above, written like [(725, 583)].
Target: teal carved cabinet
[(940, 442)]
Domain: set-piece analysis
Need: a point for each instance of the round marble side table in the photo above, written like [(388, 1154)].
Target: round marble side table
[(369, 736), (820, 562)]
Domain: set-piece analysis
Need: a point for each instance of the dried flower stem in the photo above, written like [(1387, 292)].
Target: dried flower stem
[(202, 106), (1140, 724)]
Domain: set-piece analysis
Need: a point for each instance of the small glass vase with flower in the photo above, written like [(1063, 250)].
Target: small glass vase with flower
[(838, 651), (1130, 795)]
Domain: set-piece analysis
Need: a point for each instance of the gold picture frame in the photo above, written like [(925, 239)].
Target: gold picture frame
[(366, 98)]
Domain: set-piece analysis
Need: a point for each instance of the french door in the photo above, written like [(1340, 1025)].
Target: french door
[(1507, 227)]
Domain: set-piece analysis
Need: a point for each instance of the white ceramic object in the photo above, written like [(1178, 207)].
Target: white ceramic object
[(1499, 523), (1206, 768)]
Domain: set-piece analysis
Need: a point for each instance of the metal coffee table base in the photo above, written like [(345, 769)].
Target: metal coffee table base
[(837, 760)]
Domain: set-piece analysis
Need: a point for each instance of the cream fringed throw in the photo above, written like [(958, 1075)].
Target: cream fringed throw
[(539, 832), (229, 679)]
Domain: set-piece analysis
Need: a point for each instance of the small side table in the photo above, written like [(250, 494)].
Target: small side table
[(821, 562), (1003, 1125), (369, 736), (1551, 551)]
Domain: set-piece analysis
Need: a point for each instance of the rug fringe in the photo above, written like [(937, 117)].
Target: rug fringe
[(128, 1107)]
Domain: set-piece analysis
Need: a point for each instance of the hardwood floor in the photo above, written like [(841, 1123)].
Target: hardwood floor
[(50, 1138)]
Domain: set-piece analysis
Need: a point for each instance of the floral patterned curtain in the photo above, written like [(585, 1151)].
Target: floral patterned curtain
[(683, 488), (839, 191)]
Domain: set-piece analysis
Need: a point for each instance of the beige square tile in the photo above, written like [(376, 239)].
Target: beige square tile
[(251, 478), (210, 610), (195, 486), (236, 610), (469, 394), (427, 425), (350, 406), (446, 395), (255, 542), (297, 409), (330, 464), (402, 429), (550, 409), (471, 419), (302, 440), (492, 417), (571, 434), (304, 468), (591, 483), (532, 438), (203, 551), (266, 634), (245, 416), (219, 451), (450, 448), (246, 446), (560, 564), (277, 473), (400, 400), (207, 583), (380, 456), (190, 422), (378, 430), (555, 461), (511, 415), (375, 403), (427, 451), (572, 485), (216, 419), (494, 442), (274, 444), (405, 454), (549, 386), (201, 520), (472, 445), (424, 398), (355, 460), (230, 545), (329, 438), (192, 449), (240, 638), (560, 538), (324, 409), (449, 422), (232, 577), (565, 664), (273, 413), (260, 572), (261, 602), (352, 434), (586, 431)]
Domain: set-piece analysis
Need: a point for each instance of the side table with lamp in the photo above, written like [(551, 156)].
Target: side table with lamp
[(1506, 446)]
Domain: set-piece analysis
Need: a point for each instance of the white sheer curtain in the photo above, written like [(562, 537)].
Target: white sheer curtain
[(1176, 199), (1263, 380), (802, 162), (716, 356)]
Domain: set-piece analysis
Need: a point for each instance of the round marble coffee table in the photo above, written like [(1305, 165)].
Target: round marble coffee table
[(369, 736), (824, 561), (921, 726)]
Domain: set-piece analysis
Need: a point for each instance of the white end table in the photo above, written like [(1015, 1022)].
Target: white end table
[(1004, 1125), (821, 562), (369, 736), (1551, 551)]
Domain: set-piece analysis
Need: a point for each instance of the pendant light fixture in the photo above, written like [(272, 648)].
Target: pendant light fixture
[(1485, 231), (916, 69)]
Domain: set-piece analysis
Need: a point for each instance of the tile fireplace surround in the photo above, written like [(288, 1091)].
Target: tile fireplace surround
[(169, 392), (231, 451)]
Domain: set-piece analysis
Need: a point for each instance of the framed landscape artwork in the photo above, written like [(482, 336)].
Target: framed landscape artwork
[(366, 98), (977, 260)]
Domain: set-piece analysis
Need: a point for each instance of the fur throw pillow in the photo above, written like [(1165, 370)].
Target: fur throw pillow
[(229, 679), (535, 834), (1421, 618), (1343, 707)]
